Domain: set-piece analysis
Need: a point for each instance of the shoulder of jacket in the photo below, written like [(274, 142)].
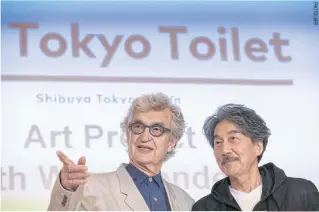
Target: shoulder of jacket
[(96, 175), (301, 184), (95, 178), (176, 188), (201, 204), (179, 191)]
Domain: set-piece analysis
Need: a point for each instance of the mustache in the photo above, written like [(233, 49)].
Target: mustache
[(228, 158)]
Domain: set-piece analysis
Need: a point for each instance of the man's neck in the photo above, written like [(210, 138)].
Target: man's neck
[(246, 182), (150, 170)]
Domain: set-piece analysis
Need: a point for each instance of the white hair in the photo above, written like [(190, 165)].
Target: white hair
[(157, 102)]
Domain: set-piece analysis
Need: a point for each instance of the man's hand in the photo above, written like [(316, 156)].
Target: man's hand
[(72, 175)]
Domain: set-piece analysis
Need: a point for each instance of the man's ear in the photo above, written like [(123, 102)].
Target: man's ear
[(259, 148), (125, 138), (172, 144)]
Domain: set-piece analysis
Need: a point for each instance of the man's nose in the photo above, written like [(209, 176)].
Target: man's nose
[(226, 148), (146, 136)]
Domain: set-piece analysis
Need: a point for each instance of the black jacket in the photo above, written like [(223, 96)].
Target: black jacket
[(279, 192)]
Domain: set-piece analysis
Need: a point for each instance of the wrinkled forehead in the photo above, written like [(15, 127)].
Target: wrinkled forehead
[(163, 117), (226, 127)]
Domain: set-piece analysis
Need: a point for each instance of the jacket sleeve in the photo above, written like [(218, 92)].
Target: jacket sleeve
[(312, 197), (64, 200)]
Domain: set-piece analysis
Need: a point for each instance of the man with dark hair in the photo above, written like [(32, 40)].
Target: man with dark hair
[(239, 138)]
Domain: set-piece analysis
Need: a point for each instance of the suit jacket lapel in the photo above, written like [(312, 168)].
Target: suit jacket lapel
[(133, 197), (171, 196)]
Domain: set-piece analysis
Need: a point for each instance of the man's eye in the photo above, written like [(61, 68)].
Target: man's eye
[(137, 125), (217, 142)]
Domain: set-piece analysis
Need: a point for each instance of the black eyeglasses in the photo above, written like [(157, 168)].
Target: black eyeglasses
[(155, 130)]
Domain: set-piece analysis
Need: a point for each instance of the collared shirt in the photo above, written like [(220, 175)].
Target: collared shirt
[(151, 188)]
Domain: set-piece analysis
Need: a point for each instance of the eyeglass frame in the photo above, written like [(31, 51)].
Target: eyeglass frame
[(165, 130)]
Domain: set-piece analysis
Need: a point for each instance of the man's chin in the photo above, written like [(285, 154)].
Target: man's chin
[(229, 169), (144, 159)]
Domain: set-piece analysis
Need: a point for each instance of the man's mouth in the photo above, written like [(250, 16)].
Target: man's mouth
[(228, 159), (144, 147)]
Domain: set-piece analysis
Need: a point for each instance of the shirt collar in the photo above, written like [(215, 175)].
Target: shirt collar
[(139, 177)]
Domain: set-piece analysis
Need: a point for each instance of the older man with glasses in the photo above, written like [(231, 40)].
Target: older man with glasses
[(153, 126)]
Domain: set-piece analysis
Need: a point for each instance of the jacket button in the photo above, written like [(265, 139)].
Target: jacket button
[(64, 200)]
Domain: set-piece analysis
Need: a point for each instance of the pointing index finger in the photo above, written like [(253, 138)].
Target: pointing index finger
[(64, 159)]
